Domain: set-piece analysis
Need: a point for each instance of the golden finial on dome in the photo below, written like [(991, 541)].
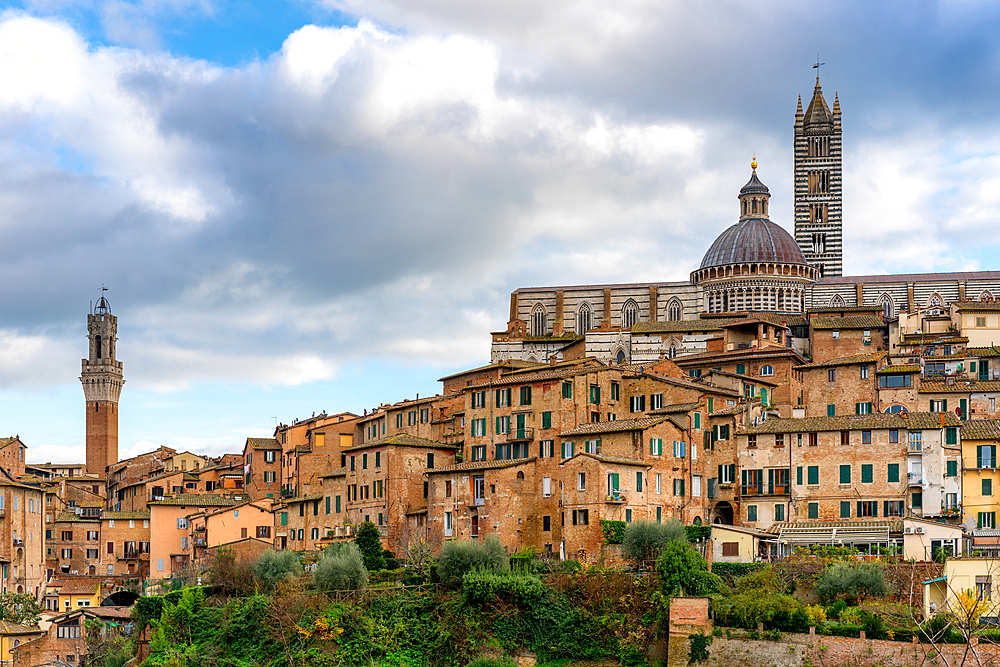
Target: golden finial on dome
[(753, 165)]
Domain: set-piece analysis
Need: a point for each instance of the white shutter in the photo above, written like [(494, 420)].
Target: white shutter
[(546, 486)]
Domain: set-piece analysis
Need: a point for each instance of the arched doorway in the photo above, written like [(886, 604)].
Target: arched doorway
[(722, 513), (120, 599)]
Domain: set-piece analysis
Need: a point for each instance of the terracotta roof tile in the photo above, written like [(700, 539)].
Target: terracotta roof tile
[(616, 426), (557, 372), (902, 278), (880, 420), (81, 586), (482, 465), (142, 516), (959, 387), (401, 440), (904, 368), (675, 408), (607, 458), (981, 429), (198, 500), (853, 322), (987, 306), (894, 525), (866, 358), (263, 443), (981, 352)]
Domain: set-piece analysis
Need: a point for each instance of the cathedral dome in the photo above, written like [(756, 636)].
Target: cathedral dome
[(753, 240)]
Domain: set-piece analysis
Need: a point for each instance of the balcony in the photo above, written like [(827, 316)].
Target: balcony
[(199, 529), (521, 434), (763, 489), (199, 541), (18, 543), (981, 464), (616, 498), (916, 479)]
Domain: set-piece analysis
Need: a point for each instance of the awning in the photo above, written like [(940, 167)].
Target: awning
[(821, 535), (934, 581)]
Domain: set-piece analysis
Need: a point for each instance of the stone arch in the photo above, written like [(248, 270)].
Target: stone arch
[(621, 357), (888, 305), (670, 347), (538, 320), (935, 301), (520, 475), (674, 310), (837, 302), (120, 599), (986, 297), (723, 513), (584, 318), (630, 314)]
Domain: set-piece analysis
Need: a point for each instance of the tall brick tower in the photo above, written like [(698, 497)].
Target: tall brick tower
[(102, 384), (818, 184)]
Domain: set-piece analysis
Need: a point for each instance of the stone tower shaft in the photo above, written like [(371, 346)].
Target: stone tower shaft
[(819, 183), (102, 381)]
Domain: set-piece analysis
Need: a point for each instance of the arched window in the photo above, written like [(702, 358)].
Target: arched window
[(538, 321), (766, 370), (888, 307), (935, 301), (97, 345), (583, 319), (894, 409), (620, 357), (986, 297), (837, 302), (630, 314), (674, 311), (520, 475)]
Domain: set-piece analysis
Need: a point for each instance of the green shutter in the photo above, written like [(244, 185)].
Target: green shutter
[(638, 482), (845, 474), (741, 369), (284, 518), (614, 481), (813, 475), (798, 475), (917, 499), (697, 420), (336, 501), (711, 404), (813, 510), (944, 405), (866, 473), (952, 468), (893, 472), (845, 509), (831, 411), (546, 420), (963, 405)]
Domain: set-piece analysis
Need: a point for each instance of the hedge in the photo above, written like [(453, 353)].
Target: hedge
[(695, 533)]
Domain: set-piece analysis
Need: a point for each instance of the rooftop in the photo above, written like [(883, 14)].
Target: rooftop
[(616, 426), (880, 420), (866, 358), (198, 500), (402, 440)]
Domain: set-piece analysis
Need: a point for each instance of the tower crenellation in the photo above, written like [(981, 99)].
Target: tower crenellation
[(102, 381), (818, 183)]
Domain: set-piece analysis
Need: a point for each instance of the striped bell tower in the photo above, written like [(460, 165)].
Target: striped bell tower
[(818, 183)]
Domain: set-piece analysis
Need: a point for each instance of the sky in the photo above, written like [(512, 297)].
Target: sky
[(325, 204)]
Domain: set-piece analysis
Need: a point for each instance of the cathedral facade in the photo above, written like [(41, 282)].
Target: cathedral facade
[(754, 266)]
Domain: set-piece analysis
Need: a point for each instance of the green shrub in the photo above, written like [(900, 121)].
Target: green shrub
[(697, 533), (836, 609), (764, 580), (775, 611), (613, 531), (851, 582), (730, 572), (369, 541), (341, 569), (460, 557), (683, 571), (504, 661), (273, 566), (485, 586), (645, 540)]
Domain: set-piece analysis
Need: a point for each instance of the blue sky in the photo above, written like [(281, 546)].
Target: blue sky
[(324, 205)]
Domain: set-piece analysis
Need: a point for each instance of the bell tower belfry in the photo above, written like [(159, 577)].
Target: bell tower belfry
[(818, 184), (102, 384)]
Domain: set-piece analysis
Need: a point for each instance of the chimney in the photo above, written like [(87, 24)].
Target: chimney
[(553, 360), (942, 420)]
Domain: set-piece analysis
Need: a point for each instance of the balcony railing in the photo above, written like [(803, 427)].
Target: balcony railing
[(981, 463), (916, 479), (763, 489), (616, 498), (521, 434)]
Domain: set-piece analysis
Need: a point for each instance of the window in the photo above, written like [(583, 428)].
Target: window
[(182, 523), (893, 508), (766, 370), (813, 510), (637, 403), (894, 381), (867, 474), (616, 390), (659, 483), (583, 320), (581, 481), (917, 499), (67, 536), (845, 474), (779, 512), (92, 553), (656, 446), (567, 390), (546, 448), (674, 311), (845, 437), (831, 410), (752, 441), (813, 475), (680, 449), (779, 439), (264, 532), (893, 436), (867, 508), (916, 438), (893, 475), (595, 394), (980, 322), (546, 523), (525, 395), (696, 486), (831, 375), (951, 436), (984, 587), (538, 321), (546, 487), (655, 401), (987, 487), (730, 549), (864, 372), (845, 509), (67, 553), (503, 397), (269, 456), (567, 450), (727, 473), (581, 517), (678, 487), (987, 520), (751, 512), (863, 408), (630, 314), (939, 406), (951, 468), (638, 482)]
